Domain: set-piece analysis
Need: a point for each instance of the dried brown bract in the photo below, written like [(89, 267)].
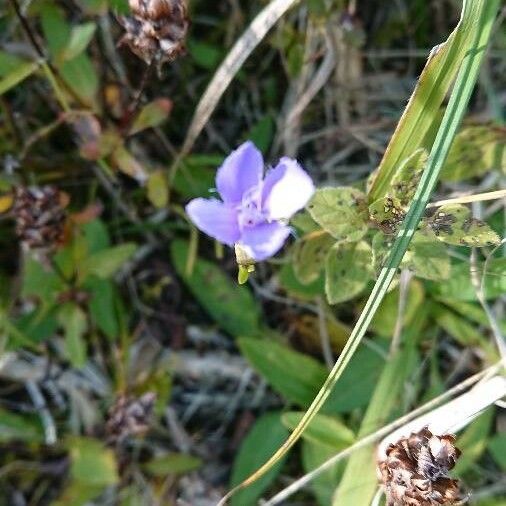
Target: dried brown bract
[(157, 29), (415, 471), (130, 416), (40, 217)]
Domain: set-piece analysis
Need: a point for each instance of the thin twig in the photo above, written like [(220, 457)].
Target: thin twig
[(50, 70), (468, 199), (44, 413), (134, 106)]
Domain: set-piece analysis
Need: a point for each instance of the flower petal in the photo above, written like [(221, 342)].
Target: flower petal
[(241, 171), (264, 241), (287, 189), (215, 219)]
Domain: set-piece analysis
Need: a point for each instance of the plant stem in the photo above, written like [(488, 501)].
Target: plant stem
[(49, 69)]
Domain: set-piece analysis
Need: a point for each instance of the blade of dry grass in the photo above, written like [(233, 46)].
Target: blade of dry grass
[(244, 46)]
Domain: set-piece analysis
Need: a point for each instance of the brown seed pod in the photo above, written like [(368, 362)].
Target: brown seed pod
[(40, 217), (157, 29), (130, 416), (415, 471)]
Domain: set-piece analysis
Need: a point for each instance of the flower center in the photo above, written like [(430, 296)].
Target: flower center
[(250, 211)]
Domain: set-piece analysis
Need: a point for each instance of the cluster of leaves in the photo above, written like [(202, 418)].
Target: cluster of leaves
[(346, 237)]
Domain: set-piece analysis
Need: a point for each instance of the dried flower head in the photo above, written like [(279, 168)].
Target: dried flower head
[(415, 470), (40, 217), (157, 29), (130, 416)]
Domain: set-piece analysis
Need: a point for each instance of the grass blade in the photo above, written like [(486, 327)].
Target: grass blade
[(425, 102), (231, 65)]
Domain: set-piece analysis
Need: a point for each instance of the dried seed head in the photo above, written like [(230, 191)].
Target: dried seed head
[(415, 471), (130, 416), (40, 217), (157, 29)]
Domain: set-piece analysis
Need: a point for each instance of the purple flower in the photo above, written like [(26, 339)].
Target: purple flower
[(255, 210)]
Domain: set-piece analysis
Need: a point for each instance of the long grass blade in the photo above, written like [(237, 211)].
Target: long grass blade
[(231, 65), (421, 112), (480, 24)]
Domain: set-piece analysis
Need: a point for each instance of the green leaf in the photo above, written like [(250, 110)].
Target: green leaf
[(92, 463), (304, 224), (348, 270), (80, 37), (357, 384), (103, 306), (323, 485), (79, 72), (428, 258), (39, 282), (471, 311), (158, 189), (15, 427), (475, 151), (460, 329), (295, 288), (308, 256), (341, 212), (385, 319), (196, 174), (263, 438), (497, 448), (453, 224), (128, 164), (73, 320), (232, 306), (473, 442), (323, 429), (359, 482), (407, 177), (281, 366), (16, 75), (152, 115), (78, 493), (39, 325), (204, 54), (9, 63), (460, 287), (387, 214), (97, 236), (106, 263), (262, 133), (171, 464)]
